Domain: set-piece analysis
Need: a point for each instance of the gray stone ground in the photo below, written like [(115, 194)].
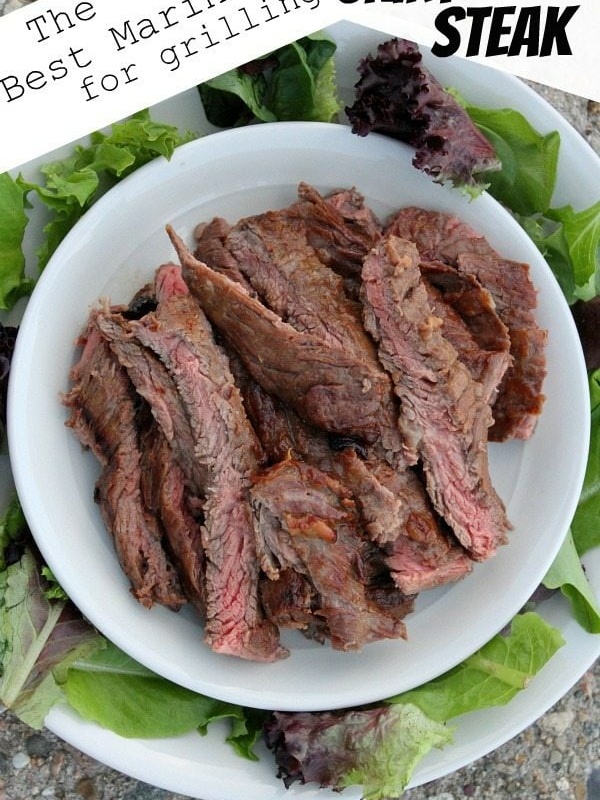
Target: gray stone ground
[(557, 758)]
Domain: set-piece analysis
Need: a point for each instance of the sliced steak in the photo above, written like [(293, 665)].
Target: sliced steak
[(444, 414), (226, 447), (471, 323), (167, 498), (394, 509), (289, 602), (341, 229), (104, 415), (520, 398), (212, 250), (153, 382), (425, 562), (310, 525), (443, 237), (331, 388), (275, 257)]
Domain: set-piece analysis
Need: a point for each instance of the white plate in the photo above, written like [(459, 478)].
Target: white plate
[(109, 254), (205, 767)]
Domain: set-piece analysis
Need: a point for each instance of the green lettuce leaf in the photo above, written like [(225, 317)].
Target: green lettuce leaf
[(586, 523), (385, 758), (294, 82), (569, 241), (529, 159), (379, 750), (13, 221), (493, 675), (113, 690), (12, 525), (36, 635), (567, 574), (73, 183)]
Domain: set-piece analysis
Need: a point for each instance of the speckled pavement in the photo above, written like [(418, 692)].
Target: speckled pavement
[(556, 758)]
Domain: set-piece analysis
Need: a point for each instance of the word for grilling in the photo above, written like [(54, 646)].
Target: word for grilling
[(170, 38), (498, 30)]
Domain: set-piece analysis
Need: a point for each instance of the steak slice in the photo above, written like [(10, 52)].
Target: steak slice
[(443, 237), (470, 323), (167, 498), (427, 561), (179, 334), (520, 398), (341, 229), (153, 382), (309, 524), (283, 269), (394, 509), (330, 388), (289, 601), (443, 411), (274, 255), (104, 416)]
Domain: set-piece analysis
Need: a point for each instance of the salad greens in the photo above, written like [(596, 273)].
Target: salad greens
[(68, 188), (49, 654), (567, 574), (121, 695), (13, 221), (493, 675), (568, 239), (294, 82), (585, 526), (378, 747), (37, 635), (526, 181)]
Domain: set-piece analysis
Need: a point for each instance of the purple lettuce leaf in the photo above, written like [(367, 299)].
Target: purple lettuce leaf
[(397, 96)]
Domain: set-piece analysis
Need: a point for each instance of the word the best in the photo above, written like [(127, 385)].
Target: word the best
[(175, 34)]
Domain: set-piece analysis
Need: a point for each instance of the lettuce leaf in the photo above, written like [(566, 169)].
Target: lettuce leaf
[(567, 574), (568, 239), (13, 221), (586, 526), (570, 242), (493, 675), (376, 748), (72, 184), (529, 160), (36, 635), (113, 690), (379, 747), (294, 82), (68, 188)]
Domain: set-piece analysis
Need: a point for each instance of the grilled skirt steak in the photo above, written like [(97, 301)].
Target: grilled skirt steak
[(444, 414), (105, 417), (309, 523), (445, 238), (168, 499), (330, 388), (179, 335), (292, 424)]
